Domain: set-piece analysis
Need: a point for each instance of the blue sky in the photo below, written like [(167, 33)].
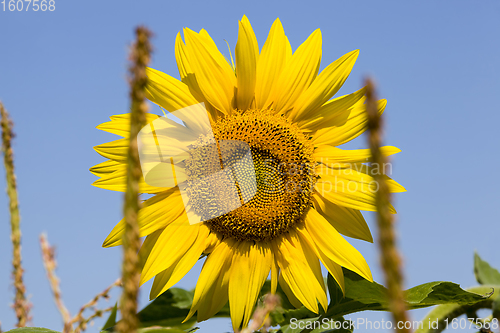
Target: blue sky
[(62, 73)]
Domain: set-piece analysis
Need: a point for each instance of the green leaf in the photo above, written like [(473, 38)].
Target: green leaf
[(111, 319), (334, 290), (434, 293), (485, 274), (434, 321), (31, 330), (168, 310), (362, 295), (496, 305), (164, 314)]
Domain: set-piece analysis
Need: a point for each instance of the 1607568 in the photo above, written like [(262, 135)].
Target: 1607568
[(28, 5)]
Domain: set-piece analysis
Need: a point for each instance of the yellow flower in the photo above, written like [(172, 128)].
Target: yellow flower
[(276, 102)]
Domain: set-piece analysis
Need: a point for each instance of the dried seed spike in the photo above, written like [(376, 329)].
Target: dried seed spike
[(390, 257), (139, 57), (21, 305), (50, 265)]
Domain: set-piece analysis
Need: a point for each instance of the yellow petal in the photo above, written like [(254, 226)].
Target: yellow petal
[(334, 112), (288, 292), (324, 86), (211, 242), (173, 274), (288, 48), (182, 60), (271, 63), (298, 73), (312, 259), (332, 267), (147, 246), (348, 188), (329, 154), (185, 70), (298, 294), (161, 280), (115, 150), (347, 175), (214, 276), (106, 168), (156, 213), (334, 246), (275, 271), (353, 127), (361, 197), (188, 76), (194, 120), (120, 124), (247, 55), (347, 221), (167, 92), (297, 272), (384, 170), (249, 270), (173, 243), (394, 186), (117, 179), (215, 76), (208, 41), (118, 150), (217, 296), (172, 136)]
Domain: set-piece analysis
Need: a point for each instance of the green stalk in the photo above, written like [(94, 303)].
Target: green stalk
[(140, 56), (21, 305), (390, 257)]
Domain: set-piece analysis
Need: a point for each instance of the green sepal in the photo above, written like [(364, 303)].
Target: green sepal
[(485, 274), (111, 319)]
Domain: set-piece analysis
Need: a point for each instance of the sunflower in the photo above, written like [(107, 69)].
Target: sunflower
[(275, 102)]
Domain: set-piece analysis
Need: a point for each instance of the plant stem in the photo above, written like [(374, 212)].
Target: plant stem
[(80, 319), (21, 305), (390, 257), (140, 56), (50, 264)]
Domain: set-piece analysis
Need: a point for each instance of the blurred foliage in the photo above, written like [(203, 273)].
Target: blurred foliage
[(166, 313), (445, 316)]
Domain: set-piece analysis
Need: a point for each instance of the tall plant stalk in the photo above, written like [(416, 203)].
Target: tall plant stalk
[(390, 257), (21, 305), (140, 56)]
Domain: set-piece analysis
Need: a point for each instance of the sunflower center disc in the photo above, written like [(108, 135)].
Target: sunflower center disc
[(283, 170)]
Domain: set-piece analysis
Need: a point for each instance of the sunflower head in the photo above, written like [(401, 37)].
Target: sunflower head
[(273, 191), (282, 172)]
